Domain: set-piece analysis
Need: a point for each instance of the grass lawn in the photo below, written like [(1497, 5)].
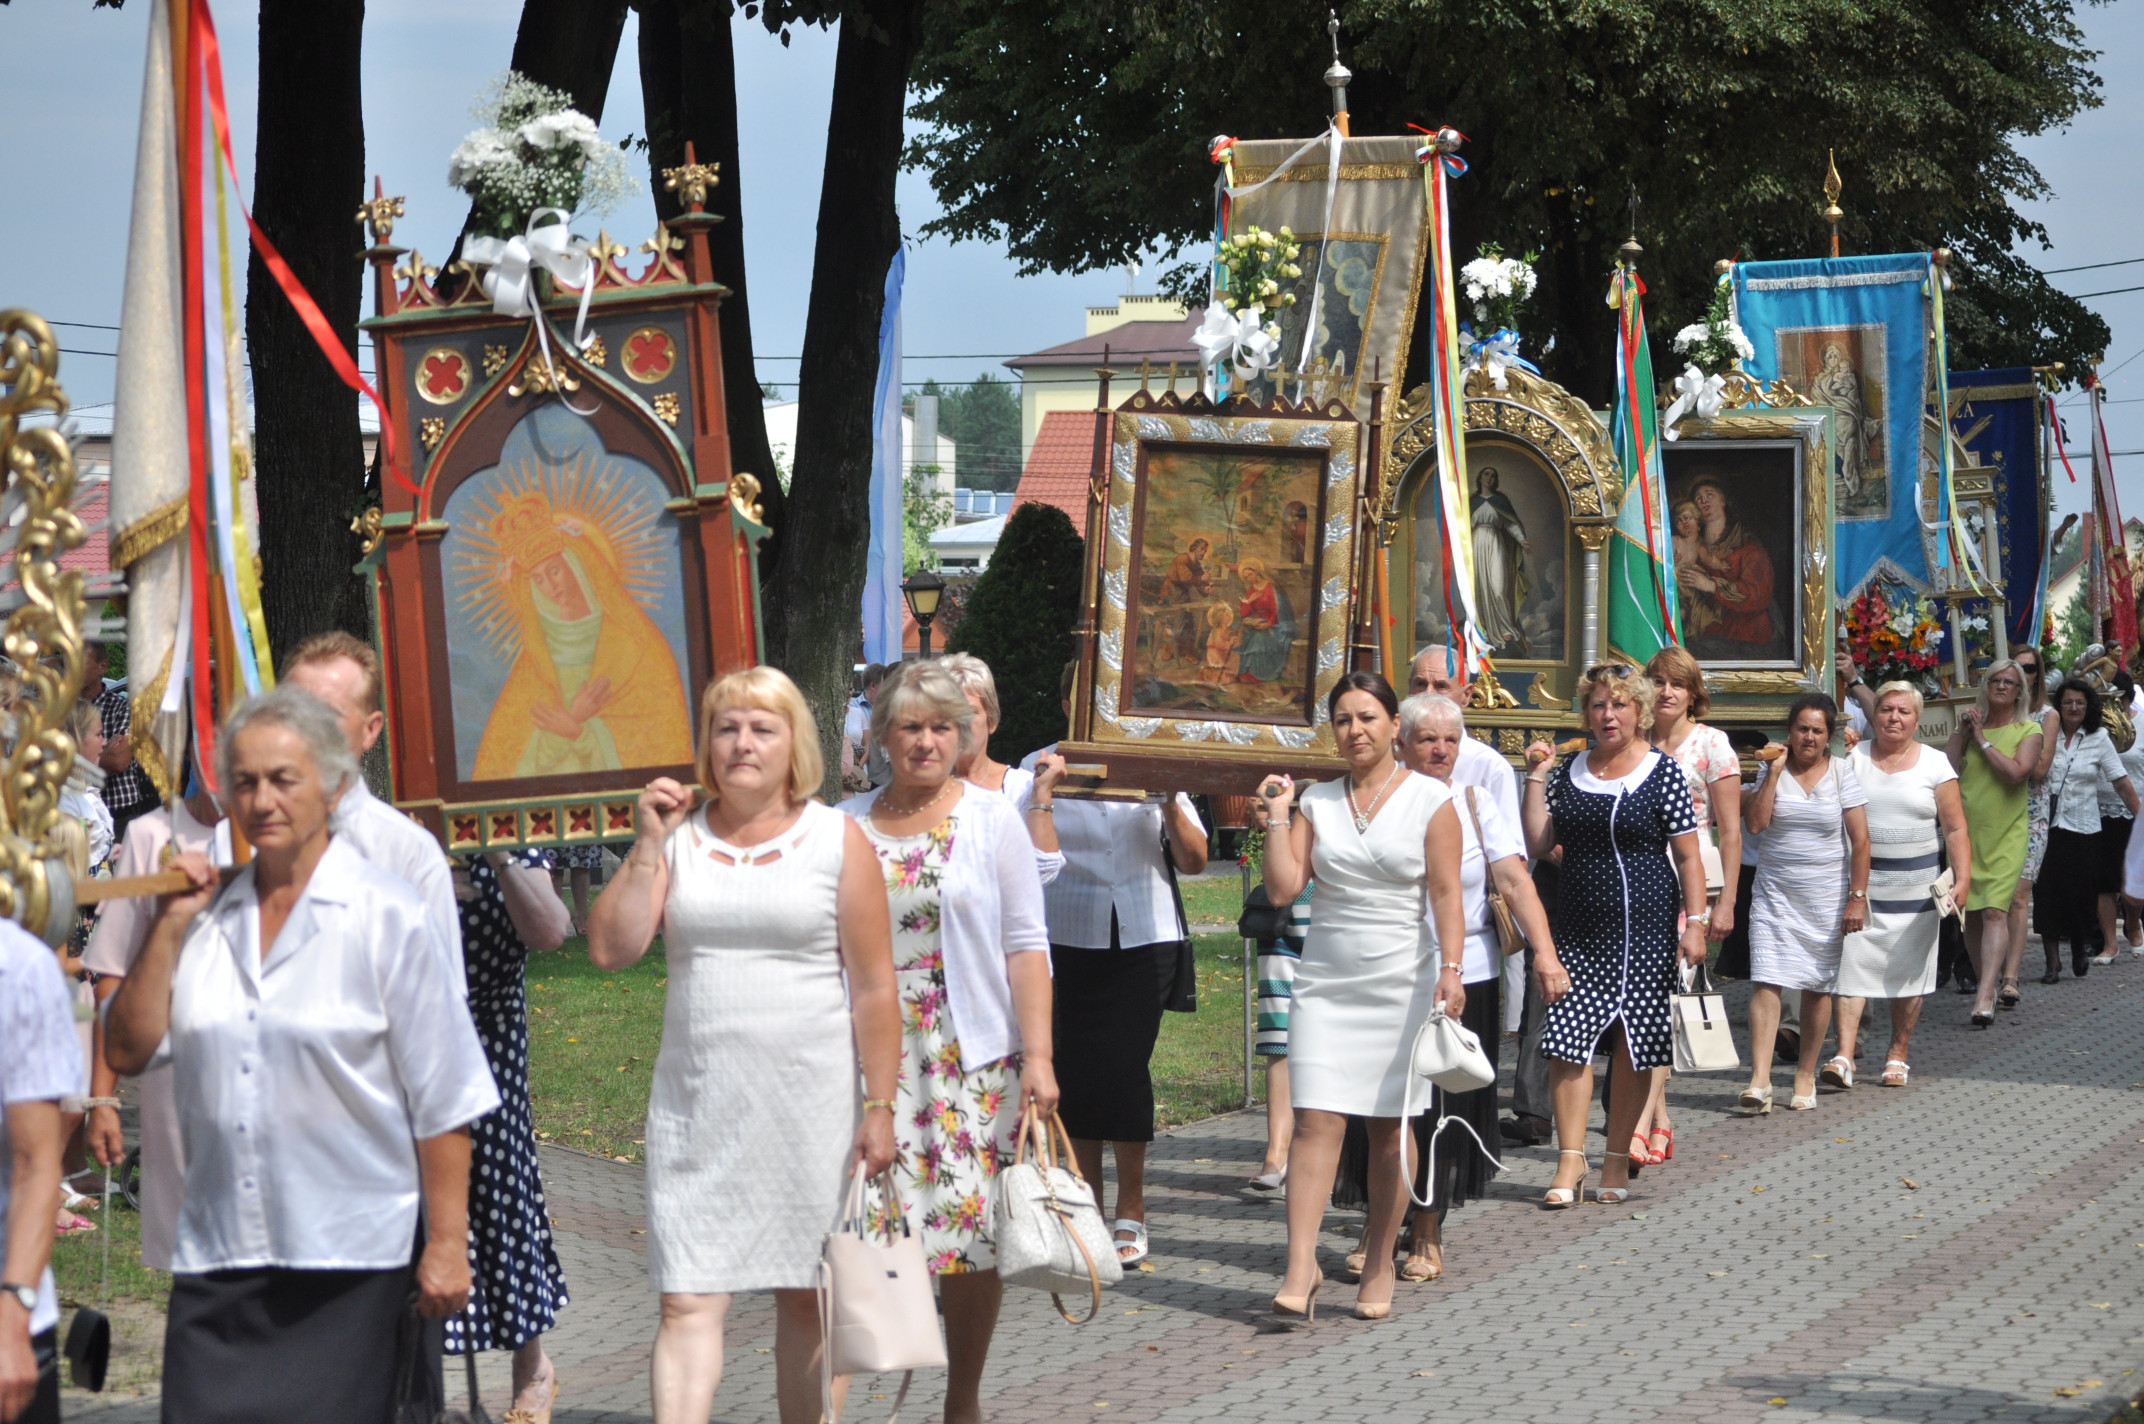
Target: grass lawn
[(1213, 900), (135, 1303), (593, 1037)]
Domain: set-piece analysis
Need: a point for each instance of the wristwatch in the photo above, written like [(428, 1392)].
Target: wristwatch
[(1857, 894), (27, 1295)]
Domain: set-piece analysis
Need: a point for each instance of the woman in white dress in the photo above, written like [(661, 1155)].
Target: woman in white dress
[(1812, 890), (1915, 816), (1028, 790), (781, 982), (1373, 970)]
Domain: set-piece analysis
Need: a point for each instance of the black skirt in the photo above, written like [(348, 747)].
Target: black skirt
[(2113, 845), (1464, 1170), (272, 1346), (2065, 899), (1106, 1018)]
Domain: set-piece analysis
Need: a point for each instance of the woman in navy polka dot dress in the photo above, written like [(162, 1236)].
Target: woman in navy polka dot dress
[(508, 907), (1622, 814)]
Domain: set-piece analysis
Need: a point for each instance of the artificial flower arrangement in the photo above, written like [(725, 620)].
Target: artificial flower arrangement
[(1893, 635), (1498, 286), (1259, 264), (534, 151), (1715, 345)]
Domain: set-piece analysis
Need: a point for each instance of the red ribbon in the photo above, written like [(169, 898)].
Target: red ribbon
[(199, 653), (210, 66), (2056, 421)]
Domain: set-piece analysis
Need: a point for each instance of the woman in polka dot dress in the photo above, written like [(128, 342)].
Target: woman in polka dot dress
[(508, 908), (1620, 812)]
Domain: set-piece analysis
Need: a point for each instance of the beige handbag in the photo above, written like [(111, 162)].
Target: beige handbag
[(876, 1311), (1703, 1041), (1509, 939)]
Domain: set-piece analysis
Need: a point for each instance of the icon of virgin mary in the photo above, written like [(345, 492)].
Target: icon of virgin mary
[(594, 686)]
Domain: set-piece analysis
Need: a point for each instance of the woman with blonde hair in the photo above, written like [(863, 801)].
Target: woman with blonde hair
[(781, 1001), (2033, 664), (1995, 751), (1622, 813), (1715, 776), (971, 958)]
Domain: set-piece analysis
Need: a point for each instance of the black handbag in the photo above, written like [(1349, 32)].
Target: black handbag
[(1179, 968), (1262, 921)]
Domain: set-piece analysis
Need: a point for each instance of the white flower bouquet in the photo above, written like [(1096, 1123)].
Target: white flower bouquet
[(1258, 265), (535, 150), (1497, 286), (1715, 345)]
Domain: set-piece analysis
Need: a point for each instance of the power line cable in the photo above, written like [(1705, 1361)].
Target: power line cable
[(2092, 266)]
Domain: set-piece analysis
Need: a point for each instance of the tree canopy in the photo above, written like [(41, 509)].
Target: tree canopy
[(1019, 620), (982, 420), (1076, 131)]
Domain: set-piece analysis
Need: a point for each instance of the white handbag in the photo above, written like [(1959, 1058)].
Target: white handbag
[(1703, 1041), (1046, 1224), (1448, 1055), (876, 1311)]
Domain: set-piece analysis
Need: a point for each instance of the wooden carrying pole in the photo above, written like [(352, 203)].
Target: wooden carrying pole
[(128, 887)]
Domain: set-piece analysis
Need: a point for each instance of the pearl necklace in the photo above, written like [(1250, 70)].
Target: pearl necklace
[(896, 814), (1362, 817)]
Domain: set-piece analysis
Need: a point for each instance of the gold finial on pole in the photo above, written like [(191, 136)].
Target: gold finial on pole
[(692, 180), (1832, 188), (1630, 251), (380, 211)]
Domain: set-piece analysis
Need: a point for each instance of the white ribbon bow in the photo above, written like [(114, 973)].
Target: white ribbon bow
[(1241, 340), (1496, 353), (1695, 393), (510, 265)]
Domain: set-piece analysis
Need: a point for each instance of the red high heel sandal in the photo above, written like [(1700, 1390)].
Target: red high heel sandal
[(1640, 1154), (1662, 1153)]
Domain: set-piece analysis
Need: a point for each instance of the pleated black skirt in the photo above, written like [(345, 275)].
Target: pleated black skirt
[(1107, 1016), (1464, 1170), (274, 1346)]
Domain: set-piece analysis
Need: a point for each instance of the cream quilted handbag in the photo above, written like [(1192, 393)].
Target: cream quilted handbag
[(1047, 1225)]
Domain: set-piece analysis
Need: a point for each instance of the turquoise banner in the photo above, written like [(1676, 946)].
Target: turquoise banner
[(1852, 333)]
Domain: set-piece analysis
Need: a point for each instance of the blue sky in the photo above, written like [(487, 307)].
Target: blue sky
[(73, 77)]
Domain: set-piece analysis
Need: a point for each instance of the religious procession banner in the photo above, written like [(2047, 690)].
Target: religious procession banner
[(1996, 417), (1851, 333), (1641, 591), (1362, 250)]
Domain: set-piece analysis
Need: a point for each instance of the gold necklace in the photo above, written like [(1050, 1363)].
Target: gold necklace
[(893, 813)]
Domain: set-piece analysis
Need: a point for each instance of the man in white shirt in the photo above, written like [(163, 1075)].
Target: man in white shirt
[(344, 672), (40, 1063), (1479, 763)]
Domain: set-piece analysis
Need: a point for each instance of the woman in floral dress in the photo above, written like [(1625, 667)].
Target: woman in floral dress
[(971, 959)]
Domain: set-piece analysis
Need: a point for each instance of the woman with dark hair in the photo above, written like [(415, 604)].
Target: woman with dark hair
[(1379, 959), (1812, 890), (2085, 767)]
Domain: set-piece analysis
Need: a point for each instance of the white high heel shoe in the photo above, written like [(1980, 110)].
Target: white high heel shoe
[(1560, 1197), (1613, 1196)]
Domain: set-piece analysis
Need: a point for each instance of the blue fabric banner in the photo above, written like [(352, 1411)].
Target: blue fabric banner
[(1852, 333), (882, 562), (1996, 414)]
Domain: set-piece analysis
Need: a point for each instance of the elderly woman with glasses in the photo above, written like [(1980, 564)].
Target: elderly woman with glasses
[(1622, 814), (326, 1073), (1995, 751), (2073, 902)]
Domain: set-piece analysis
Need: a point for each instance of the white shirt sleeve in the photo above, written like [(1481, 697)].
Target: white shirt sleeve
[(1019, 891), (433, 1043), (1851, 793)]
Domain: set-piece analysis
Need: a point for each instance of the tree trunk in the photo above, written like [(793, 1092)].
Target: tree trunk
[(571, 45), (688, 79), (812, 609), (308, 178)]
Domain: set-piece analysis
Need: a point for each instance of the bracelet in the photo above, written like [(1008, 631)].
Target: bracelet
[(1045, 808), (886, 1103), (88, 1103), (1702, 917), (1283, 823), (1456, 968)]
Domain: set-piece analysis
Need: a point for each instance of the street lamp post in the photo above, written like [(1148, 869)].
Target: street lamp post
[(923, 589)]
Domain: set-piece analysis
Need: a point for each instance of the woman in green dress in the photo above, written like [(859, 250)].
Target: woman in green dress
[(1995, 749)]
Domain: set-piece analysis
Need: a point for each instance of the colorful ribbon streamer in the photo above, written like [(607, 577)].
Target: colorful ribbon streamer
[(1447, 404)]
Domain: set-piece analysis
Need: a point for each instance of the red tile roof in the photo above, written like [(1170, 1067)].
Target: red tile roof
[(1059, 465), (1158, 341)]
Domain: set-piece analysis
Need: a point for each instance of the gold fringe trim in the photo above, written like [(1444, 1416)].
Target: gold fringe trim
[(141, 730), (144, 534)]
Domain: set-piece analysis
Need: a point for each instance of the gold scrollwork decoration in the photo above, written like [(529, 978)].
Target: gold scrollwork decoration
[(369, 529), (36, 884), (380, 213), (1739, 390), (744, 497), (690, 181), (1485, 691), (430, 430), (666, 407), (542, 378)]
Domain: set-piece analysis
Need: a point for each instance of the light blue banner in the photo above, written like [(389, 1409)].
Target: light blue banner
[(882, 561), (1852, 333)]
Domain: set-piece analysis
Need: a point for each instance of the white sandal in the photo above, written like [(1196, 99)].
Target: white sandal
[(1137, 1243), (1560, 1197), (1839, 1072), (1798, 1103), (1613, 1196), (1901, 1069), (1755, 1102)]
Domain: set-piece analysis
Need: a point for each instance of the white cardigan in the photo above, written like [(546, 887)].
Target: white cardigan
[(991, 907)]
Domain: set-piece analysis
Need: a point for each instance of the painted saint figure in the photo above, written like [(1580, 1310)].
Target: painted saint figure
[(1268, 625), (1733, 573), (1838, 385), (1698, 610), (594, 685), (1500, 548)]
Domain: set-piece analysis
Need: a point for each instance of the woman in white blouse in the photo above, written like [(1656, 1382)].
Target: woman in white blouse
[(970, 959), (1915, 816), (1028, 788), (1114, 932), (2068, 903), (326, 1072)]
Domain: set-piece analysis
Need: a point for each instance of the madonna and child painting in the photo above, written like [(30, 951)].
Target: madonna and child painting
[(565, 612), (1225, 612)]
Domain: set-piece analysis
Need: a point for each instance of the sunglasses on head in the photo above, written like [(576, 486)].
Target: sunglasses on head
[(1610, 670)]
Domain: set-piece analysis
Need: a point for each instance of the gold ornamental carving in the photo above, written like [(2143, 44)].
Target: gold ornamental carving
[(379, 213), (744, 497), (1486, 692), (1593, 536), (431, 430), (666, 407), (538, 378), (369, 528), (43, 637), (690, 181)]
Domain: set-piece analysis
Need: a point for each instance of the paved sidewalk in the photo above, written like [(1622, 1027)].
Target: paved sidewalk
[(1779, 1268)]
